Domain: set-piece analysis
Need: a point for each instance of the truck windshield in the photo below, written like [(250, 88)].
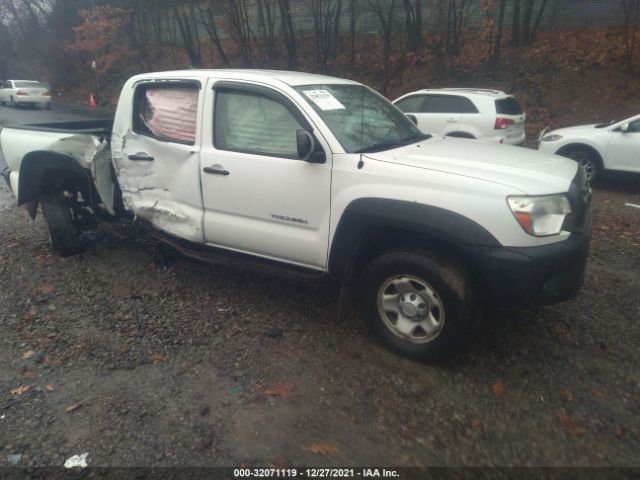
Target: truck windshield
[(361, 119)]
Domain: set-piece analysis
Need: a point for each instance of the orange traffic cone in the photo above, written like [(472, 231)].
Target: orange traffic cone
[(92, 101)]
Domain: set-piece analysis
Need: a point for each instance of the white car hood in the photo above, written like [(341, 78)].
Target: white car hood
[(575, 130), (529, 171)]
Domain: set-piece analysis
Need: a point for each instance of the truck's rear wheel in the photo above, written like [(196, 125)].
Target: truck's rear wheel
[(63, 235), (421, 304)]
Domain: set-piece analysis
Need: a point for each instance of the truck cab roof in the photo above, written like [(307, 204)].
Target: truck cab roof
[(270, 77)]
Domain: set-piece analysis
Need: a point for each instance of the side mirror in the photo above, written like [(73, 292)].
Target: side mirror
[(413, 118), (307, 147), (624, 127)]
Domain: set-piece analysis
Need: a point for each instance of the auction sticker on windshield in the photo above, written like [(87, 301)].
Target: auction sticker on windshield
[(324, 100)]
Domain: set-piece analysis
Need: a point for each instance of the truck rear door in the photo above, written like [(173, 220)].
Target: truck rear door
[(157, 160)]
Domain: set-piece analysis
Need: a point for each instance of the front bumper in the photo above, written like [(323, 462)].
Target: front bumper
[(533, 275)]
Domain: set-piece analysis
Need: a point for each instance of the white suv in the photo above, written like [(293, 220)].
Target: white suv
[(467, 112)]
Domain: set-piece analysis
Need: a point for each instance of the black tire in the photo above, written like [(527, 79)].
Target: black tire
[(588, 160), (3, 103), (454, 305), (63, 234)]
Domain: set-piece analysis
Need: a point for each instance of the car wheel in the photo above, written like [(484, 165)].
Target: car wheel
[(421, 304), (63, 234), (588, 160), (3, 103)]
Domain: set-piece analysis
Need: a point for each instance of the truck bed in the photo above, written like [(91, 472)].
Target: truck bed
[(96, 127)]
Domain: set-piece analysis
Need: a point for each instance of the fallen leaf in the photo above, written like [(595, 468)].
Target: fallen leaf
[(27, 374), (46, 289), (51, 361), (324, 448), (499, 388), (48, 387), (476, 425), (567, 395), (570, 424), (120, 291), (28, 354), (621, 432), (32, 311), (46, 259), (598, 394), (560, 330), (72, 408), (282, 390), (20, 390), (157, 358)]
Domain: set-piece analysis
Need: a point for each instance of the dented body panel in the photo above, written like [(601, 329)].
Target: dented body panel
[(90, 152)]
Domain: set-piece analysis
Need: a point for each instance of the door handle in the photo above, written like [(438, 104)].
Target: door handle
[(141, 156), (452, 120), (215, 171)]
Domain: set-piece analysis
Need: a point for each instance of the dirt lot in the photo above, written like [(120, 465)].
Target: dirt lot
[(137, 364)]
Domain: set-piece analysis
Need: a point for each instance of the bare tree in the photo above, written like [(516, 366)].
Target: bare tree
[(525, 21), (326, 18), (185, 17), (384, 10), (288, 33), (631, 9), (266, 28), (413, 22), (209, 22), (354, 11)]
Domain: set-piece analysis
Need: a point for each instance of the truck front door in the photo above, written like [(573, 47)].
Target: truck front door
[(258, 196)]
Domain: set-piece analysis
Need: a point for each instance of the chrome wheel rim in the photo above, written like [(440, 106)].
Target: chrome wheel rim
[(411, 309)]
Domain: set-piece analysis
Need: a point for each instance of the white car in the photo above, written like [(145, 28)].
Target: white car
[(597, 147), (17, 92), (467, 113)]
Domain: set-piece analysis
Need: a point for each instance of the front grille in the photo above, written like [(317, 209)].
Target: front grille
[(580, 198)]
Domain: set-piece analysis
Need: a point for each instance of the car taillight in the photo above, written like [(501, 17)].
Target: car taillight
[(22, 93), (46, 94), (502, 123)]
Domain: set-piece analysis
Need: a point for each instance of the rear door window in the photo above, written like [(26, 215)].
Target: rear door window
[(441, 104), (167, 112), (508, 106), (412, 104), (467, 106)]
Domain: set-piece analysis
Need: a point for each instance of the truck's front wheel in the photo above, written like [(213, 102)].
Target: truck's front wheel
[(63, 234), (421, 304)]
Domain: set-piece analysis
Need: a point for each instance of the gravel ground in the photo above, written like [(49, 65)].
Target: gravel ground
[(193, 365)]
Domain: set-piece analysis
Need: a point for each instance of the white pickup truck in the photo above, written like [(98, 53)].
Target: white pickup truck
[(317, 176)]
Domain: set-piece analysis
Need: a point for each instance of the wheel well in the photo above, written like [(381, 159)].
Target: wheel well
[(460, 135), (376, 241), (43, 172), (574, 147)]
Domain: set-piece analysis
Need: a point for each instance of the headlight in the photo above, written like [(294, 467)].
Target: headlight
[(540, 216), (551, 138)]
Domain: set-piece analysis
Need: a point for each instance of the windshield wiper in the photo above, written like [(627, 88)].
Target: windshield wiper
[(389, 145)]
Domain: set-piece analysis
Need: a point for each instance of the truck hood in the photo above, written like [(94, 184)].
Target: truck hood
[(530, 171)]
